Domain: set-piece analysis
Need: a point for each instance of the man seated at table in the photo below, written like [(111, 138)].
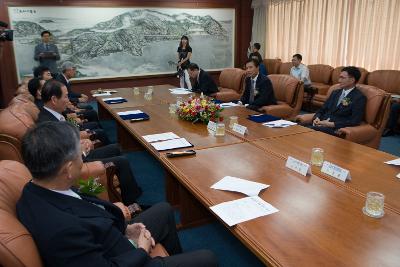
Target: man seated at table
[(74, 229), (55, 99), (258, 91), (345, 107), (203, 81)]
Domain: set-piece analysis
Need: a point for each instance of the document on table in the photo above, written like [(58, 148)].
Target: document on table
[(113, 98), (180, 91), (129, 112), (279, 124), (171, 144), (228, 105), (393, 162), (160, 137), (102, 94), (235, 184), (244, 209)]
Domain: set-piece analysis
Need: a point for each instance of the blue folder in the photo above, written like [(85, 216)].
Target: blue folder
[(261, 118), (135, 116), (116, 101)]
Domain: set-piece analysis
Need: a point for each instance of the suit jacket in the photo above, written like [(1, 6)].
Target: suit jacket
[(72, 232), (73, 97), (343, 115), (265, 95), (205, 84), (45, 115), (49, 62)]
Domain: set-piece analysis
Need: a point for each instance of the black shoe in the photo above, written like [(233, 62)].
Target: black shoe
[(387, 132)]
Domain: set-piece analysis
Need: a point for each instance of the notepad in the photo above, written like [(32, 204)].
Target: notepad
[(160, 137), (102, 94), (279, 124), (114, 100), (133, 114), (260, 118), (244, 209), (171, 144)]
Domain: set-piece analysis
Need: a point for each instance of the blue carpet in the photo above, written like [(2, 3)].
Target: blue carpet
[(214, 236)]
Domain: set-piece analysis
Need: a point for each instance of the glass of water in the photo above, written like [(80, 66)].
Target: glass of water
[(374, 205), (317, 156), (220, 129), (232, 121), (148, 96)]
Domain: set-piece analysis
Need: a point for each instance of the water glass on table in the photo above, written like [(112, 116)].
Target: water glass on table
[(317, 156), (232, 121), (374, 205)]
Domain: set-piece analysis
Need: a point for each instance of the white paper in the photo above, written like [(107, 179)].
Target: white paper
[(180, 91), (398, 175), (102, 94), (228, 105), (395, 96), (279, 124), (393, 162), (235, 184), (211, 127), (171, 144), (335, 171), (160, 137), (298, 166), (112, 98), (244, 209), (130, 112), (240, 129)]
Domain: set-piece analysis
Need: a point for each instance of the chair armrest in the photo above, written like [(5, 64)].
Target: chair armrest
[(124, 209), (92, 169), (305, 118), (280, 110), (158, 251), (359, 134)]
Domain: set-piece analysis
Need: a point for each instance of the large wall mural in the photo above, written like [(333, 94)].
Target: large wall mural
[(116, 42)]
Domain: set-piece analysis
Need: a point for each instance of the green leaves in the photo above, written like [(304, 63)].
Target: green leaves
[(90, 186)]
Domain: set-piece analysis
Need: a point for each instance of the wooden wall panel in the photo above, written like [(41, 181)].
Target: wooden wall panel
[(8, 75)]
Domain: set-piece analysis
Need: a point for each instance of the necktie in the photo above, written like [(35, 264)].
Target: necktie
[(251, 98), (341, 98), (47, 47)]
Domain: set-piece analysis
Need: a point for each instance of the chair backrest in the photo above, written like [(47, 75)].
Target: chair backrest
[(337, 70), (388, 80), (285, 88), (375, 106), (272, 65), (10, 148), (320, 73), (232, 78), (16, 119), (17, 247), (284, 68)]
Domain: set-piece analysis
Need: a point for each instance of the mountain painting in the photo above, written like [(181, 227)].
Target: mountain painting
[(117, 42)]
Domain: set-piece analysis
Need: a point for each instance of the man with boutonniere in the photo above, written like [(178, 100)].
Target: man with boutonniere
[(345, 107)]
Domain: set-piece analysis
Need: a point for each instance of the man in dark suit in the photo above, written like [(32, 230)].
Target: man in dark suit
[(203, 81), (258, 91), (73, 229), (47, 53), (55, 99), (344, 107)]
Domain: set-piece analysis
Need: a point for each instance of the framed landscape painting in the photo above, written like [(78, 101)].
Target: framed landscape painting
[(118, 42)]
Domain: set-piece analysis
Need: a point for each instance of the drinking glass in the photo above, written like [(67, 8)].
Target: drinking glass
[(220, 129), (232, 121), (317, 156), (374, 205), (136, 91), (148, 96)]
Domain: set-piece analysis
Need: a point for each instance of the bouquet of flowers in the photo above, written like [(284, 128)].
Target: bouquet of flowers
[(90, 186), (199, 109)]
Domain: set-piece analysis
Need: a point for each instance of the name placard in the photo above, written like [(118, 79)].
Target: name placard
[(212, 127), (240, 129), (298, 166), (335, 171)]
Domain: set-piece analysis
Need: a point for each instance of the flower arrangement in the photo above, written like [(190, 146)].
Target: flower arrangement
[(199, 109), (90, 186)]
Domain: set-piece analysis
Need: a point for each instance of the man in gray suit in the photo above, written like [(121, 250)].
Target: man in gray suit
[(47, 53)]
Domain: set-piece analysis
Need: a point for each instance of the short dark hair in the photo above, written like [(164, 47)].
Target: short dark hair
[(193, 66), (298, 56), (44, 32), (38, 71), (49, 145), (353, 72), (51, 88), (33, 86), (255, 62), (257, 46)]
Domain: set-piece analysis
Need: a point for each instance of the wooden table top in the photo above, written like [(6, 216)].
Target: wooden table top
[(319, 224), (367, 168)]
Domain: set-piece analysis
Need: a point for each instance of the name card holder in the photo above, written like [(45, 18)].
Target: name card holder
[(240, 129), (298, 166), (212, 127), (335, 171)]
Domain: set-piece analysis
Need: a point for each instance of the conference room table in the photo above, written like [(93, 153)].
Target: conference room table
[(320, 220)]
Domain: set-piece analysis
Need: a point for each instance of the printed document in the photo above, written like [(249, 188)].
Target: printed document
[(235, 184)]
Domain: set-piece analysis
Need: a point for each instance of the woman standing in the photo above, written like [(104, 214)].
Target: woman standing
[(184, 55)]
